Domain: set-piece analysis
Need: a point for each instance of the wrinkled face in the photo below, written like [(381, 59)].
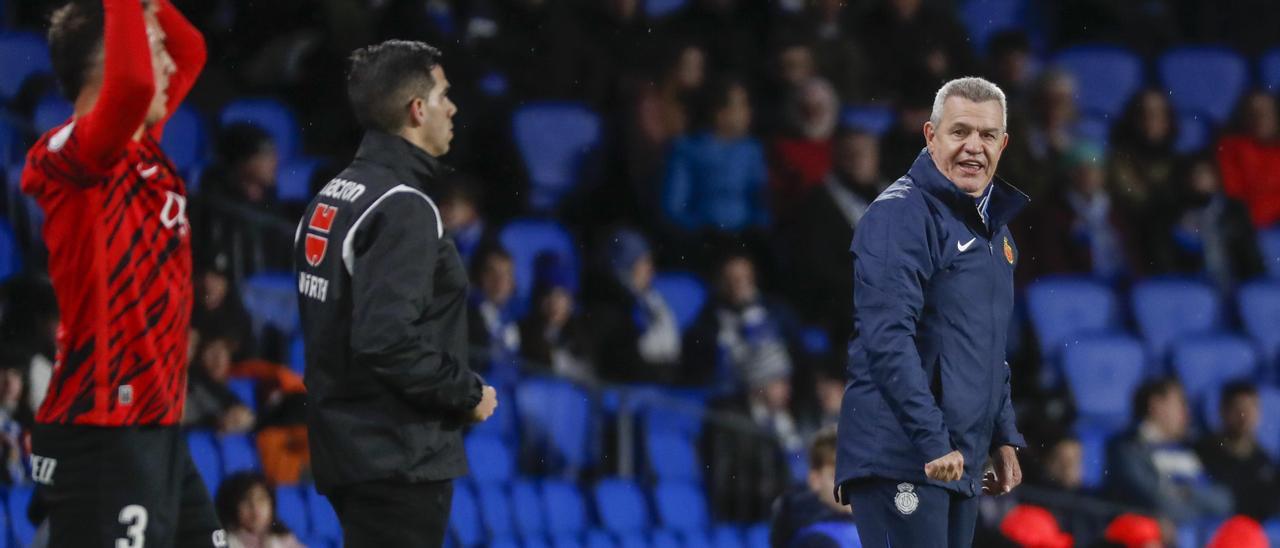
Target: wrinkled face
[(1065, 464), (162, 67), (738, 281), (435, 114), (254, 511), (967, 143), (1240, 416), (498, 281)]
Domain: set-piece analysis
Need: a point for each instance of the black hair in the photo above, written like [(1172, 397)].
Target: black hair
[(715, 97), (75, 36), (1236, 389), (1150, 391), (234, 489), (482, 257), (240, 141), (383, 78), (1008, 41), (1241, 117), (1129, 131)]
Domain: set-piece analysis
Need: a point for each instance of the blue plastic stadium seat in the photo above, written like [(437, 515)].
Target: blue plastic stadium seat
[(272, 300), (632, 540), (495, 510), (1269, 70), (533, 542), (505, 542), (12, 145), (566, 542), (298, 354), (697, 539), (293, 180), (1259, 305), (621, 506), (1094, 129), (527, 501), (726, 536), (1206, 362), (52, 111), (758, 535), (18, 500), (464, 517), (184, 138), (554, 139), (873, 119), (564, 507), (1268, 425), (555, 421), (525, 239), (1106, 77), (490, 460), (681, 506), (205, 455), (1272, 527), (665, 539), (1102, 373), (1204, 79), (597, 538), (4, 526), (1061, 309), (291, 509), (1194, 133), (655, 9), (238, 454), (25, 54), (1093, 445), (672, 457), (245, 390), (685, 294), (272, 116), (1168, 309), (1269, 245), (10, 251), (324, 521), (984, 18)]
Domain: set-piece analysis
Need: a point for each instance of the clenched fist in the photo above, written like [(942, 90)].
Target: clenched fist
[(488, 402), (949, 467)]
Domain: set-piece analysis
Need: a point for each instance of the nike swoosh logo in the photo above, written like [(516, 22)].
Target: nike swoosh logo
[(147, 173), (965, 246)]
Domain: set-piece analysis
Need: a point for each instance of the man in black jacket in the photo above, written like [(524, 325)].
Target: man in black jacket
[(382, 294)]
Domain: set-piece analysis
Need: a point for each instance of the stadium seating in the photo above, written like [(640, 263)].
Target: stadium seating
[(1194, 133), (25, 54), (502, 424), (564, 507), (1268, 425), (464, 517), (21, 527), (1204, 80), (293, 180), (524, 239), (272, 116), (1062, 309), (10, 253), (12, 146), (556, 423), (1169, 308), (291, 509), (758, 535), (1206, 362), (681, 506), (1106, 77), (554, 140), (726, 536), (51, 112), (599, 539), (238, 453), (685, 294), (245, 390), (324, 521), (1102, 372), (206, 457), (1269, 245), (876, 120), (527, 501), (495, 511), (984, 18), (672, 457), (1259, 306), (490, 460), (1093, 444), (185, 138), (272, 301), (1269, 70), (621, 506)]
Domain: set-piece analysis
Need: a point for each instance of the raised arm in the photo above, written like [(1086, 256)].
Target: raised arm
[(186, 47), (128, 86)]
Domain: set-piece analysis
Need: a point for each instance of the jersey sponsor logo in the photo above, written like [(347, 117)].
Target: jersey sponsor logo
[(322, 218), (42, 469), (906, 501), (312, 286), (342, 189), (174, 212)]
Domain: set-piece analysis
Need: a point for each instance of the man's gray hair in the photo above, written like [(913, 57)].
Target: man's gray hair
[(975, 89)]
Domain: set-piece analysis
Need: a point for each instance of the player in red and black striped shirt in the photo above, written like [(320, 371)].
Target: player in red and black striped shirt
[(112, 466)]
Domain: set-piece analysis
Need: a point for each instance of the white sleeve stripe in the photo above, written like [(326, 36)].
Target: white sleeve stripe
[(348, 254)]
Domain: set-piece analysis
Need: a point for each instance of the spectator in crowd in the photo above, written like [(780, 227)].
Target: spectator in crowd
[(1012, 66), (13, 416), (729, 30), (1154, 468), (807, 515), (1080, 229), (1234, 458), (1038, 144), (662, 113), (1143, 163), (218, 310), (1239, 532), (801, 157), (210, 403), (246, 506), (493, 331), (1134, 531), (837, 54), (915, 45), (715, 179), (749, 452), (1202, 230), (828, 389), (553, 335), (1147, 26), (461, 214), (29, 319), (740, 335), (790, 65), (1061, 472), (1029, 526), (636, 332), (1249, 158), (1062, 466), (824, 229), (280, 399)]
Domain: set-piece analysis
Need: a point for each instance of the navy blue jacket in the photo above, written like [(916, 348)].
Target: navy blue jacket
[(933, 294)]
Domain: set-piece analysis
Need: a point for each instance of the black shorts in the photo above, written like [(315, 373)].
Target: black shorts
[(126, 487)]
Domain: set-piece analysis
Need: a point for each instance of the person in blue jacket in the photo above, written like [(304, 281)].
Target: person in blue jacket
[(927, 403)]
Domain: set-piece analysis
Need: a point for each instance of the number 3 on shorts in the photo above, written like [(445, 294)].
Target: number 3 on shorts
[(135, 517)]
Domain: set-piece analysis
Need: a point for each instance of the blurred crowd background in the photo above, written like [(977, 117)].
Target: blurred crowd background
[(656, 199)]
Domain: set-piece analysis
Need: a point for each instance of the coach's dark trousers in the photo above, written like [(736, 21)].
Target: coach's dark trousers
[(900, 514), (382, 514)]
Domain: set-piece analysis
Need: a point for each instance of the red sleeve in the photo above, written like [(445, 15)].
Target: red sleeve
[(127, 87), (1234, 180), (186, 46)]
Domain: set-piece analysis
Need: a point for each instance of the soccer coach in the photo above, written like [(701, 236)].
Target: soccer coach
[(382, 294), (928, 394)]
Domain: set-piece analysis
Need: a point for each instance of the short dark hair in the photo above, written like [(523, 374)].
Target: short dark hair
[(75, 36), (232, 492), (383, 78), (1236, 389), (822, 450), (1150, 391)]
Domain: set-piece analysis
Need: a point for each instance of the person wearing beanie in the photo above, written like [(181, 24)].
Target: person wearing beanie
[(639, 340), (553, 336), (1239, 532), (1034, 527), (1134, 531)]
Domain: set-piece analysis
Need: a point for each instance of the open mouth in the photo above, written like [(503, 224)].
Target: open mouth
[(970, 167)]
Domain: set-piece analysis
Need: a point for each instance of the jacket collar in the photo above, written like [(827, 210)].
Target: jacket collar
[(410, 164), (1006, 201)]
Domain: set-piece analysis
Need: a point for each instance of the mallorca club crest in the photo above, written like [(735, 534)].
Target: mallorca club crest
[(906, 500), (1008, 250)]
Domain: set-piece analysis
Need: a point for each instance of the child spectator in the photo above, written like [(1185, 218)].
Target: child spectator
[(247, 509)]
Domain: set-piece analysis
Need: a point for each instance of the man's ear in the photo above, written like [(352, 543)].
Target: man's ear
[(928, 131), (417, 112)]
